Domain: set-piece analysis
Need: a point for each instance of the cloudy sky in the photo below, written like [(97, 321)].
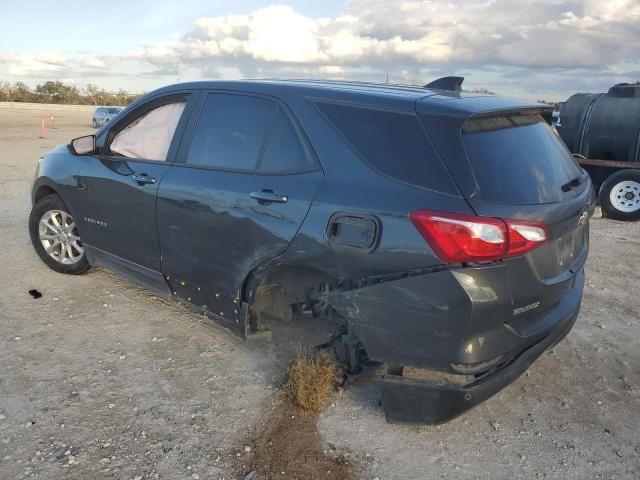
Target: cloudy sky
[(528, 48)]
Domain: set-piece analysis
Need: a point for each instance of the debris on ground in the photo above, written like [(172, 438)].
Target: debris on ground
[(311, 380), (287, 444), (35, 293)]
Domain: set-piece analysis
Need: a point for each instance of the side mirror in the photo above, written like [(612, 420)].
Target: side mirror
[(83, 145)]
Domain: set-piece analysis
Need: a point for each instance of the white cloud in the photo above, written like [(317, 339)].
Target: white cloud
[(526, 33), (24, 65), (411, 40), (54, 59), (93, 63)]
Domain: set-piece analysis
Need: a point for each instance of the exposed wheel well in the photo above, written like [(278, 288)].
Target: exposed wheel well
[(296, 280), (276, 292)]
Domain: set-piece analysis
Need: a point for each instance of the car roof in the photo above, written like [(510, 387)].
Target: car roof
[(424, 100), (277, 85)]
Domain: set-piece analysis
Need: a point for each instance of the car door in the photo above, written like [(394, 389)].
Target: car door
[(117, 214), (236, 199)]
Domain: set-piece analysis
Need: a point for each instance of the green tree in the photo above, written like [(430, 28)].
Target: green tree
[(21, 92), (483, 91), (57, 92), (121, 97), (6, 91), (92, 92)]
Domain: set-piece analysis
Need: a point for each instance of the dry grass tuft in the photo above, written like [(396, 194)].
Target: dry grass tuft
[(311, 380)]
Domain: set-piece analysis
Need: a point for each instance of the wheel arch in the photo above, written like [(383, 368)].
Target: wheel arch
[(295, 279), (43, 191), (44, 187)]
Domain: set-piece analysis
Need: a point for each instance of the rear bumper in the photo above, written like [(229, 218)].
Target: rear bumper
[(415, 401), (462, 323)]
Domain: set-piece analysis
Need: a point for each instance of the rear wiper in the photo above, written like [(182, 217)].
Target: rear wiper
[(576, 182)]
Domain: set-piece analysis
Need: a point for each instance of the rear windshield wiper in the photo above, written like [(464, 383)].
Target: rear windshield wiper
[(576, 182)]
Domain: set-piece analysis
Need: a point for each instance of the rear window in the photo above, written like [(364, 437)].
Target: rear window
[(392, 143), (231, 132), (518, 159)]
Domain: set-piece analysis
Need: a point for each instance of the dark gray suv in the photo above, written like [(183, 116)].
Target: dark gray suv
[(442, 234)]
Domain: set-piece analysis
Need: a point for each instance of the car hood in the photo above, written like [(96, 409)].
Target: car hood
[(58, 148)]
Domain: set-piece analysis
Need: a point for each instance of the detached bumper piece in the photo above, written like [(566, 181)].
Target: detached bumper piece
[(407, 400)]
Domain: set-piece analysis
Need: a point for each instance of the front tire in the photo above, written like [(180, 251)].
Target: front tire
[(95, 124), (620, 195), (55, 237)]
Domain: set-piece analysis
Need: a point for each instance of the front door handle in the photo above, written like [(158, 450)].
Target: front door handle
[(143, 179), (267, 196)]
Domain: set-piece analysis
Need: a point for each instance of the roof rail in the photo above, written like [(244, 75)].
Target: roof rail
[(446, 83)]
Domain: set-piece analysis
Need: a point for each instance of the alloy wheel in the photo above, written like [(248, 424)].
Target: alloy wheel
[(59, 237)]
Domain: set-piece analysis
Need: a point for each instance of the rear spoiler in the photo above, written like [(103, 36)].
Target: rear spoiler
[(507, 118), (545, 111), (454, 84)]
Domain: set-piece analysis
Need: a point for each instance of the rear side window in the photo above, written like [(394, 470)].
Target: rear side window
[(285, 151), (393, 143), (518, 159), (231, 131)]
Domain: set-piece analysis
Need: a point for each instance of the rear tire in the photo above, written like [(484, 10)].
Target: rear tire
[(620, 195), (55, 236)]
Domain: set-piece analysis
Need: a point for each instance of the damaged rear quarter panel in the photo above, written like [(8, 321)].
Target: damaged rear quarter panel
[(432, 320)]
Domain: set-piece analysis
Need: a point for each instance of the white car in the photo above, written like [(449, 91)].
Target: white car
[(103, 114)]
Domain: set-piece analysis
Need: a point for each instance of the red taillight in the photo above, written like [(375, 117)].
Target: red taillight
[(525, 236), (459, 238)]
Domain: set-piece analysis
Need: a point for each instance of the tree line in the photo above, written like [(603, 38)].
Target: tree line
[(57, 92)]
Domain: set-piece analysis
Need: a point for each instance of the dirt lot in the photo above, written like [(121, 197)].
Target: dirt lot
[(102, 379)]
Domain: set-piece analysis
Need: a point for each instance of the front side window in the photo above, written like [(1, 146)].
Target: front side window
[(231, 132), (148, 137)]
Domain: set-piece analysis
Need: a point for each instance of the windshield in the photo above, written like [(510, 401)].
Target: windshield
[(113, 111), (518, 159)]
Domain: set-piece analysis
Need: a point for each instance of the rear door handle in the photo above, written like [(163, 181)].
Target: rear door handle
[(267, 196), (143, 179)]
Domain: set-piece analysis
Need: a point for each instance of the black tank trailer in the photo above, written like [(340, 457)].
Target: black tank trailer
[(602, 130)]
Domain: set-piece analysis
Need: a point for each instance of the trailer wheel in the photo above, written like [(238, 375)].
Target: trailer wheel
[(620, 195)]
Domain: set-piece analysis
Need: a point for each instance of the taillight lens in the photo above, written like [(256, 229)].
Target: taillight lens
[(525, 236), (459, 238)]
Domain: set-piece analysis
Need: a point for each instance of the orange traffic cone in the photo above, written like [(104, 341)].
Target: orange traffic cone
[(52, 119), (43, 130)]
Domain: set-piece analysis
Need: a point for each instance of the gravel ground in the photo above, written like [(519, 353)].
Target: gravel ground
[(102, 379)]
